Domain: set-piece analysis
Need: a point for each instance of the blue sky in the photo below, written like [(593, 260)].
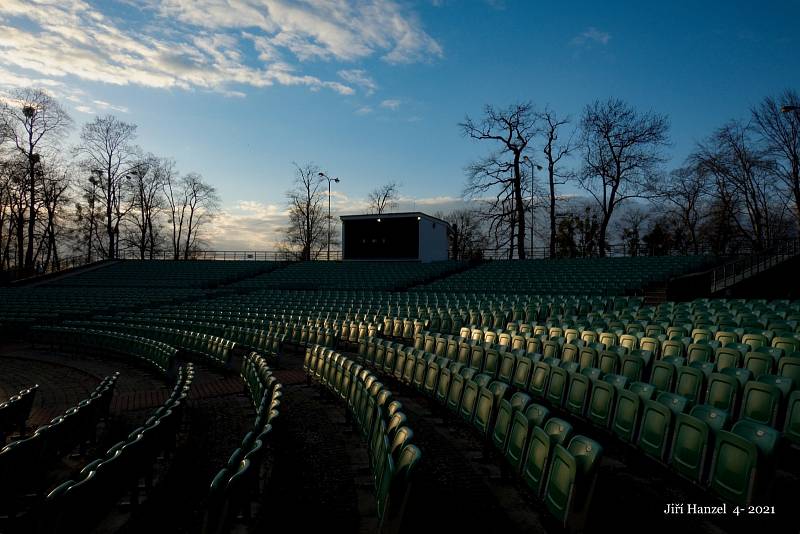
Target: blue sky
[(373, 90)]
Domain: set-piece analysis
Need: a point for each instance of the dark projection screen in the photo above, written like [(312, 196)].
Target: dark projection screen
[(393, 238)]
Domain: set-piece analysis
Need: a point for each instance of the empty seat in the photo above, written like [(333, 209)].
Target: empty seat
[(760, 403), (739, 461), (505, 415), (654, 431), (542, 440), (571, 481)]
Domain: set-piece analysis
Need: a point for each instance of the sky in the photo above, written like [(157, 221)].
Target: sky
[(373, 91)]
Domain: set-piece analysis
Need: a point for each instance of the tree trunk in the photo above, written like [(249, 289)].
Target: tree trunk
[(552, 212), (520, 207), (32, 212)]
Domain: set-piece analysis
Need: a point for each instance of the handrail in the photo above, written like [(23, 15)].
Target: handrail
[(740, 269)]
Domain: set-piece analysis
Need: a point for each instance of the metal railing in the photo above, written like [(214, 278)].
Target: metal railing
[(740, 269), (229, 255)]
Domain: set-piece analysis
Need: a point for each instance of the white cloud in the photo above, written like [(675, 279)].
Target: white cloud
[(105, 105), (361, 78), (203, 44), (84, 109), (392, 104), (591, 36), (364, 110)]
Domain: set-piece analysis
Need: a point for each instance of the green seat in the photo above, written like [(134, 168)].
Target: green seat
[(728, 357), (618, 381), (789, 366), (699, 352), (737, 467), (740, 374), (676, 403), (609, 361), (626, 415), (784, 384), (690, 445), (571, 480), (521, 426), (505, 369), (443, 386), (787, 344), (469, 400), (791, 429), (722, 392), (662, 376), (760, 403), (580, 388), (539, 380), (491, 362), (759, 363), (654, 430), (557, 386), (601, 403), (523, 367), (587, 358), (689, 383), (505, 415), (671, 347), (632, 367), (715, 418), (643, 389), (484, 411)]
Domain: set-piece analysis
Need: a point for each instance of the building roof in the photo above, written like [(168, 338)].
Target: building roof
[(394, 216)]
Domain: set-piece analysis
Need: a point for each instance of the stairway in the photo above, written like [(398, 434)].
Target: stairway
[(741, 269), (655, 293)]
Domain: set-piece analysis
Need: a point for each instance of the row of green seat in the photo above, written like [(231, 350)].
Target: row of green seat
[(239, 482), (214, 350), (153, 353), (78, 505), (14, 412), (603, 276), (380, 422), (380, 275), (166, 274), (605, 401), (558, 467), (26, 462)]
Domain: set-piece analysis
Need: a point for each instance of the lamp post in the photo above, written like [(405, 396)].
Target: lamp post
[(539, 167), (323, 175)]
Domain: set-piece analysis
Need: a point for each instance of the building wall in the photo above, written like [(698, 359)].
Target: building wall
[(432, 241)]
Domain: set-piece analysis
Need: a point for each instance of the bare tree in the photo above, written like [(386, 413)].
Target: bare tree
[(305, 237), (686, 194), (55, 186), (555, 151), (34, 122), (743, 173), (631, 227), (383, 197), (467, 239), (106, 146), (202, 205), (621, 152), (501, 173), (780, 132), (146, 192)]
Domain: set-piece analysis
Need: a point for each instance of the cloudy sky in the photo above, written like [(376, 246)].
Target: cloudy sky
[(373, 90)]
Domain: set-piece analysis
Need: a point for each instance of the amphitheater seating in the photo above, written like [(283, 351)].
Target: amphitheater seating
[(601, 276), (240, 481), (392, 457), (78, 505), (14, 412), (25, 461)]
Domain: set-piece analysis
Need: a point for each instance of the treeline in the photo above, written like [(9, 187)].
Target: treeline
[(100, 199), (738, 190)]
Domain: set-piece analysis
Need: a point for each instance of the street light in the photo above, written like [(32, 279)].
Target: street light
[(539, 167), (323, 175)]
